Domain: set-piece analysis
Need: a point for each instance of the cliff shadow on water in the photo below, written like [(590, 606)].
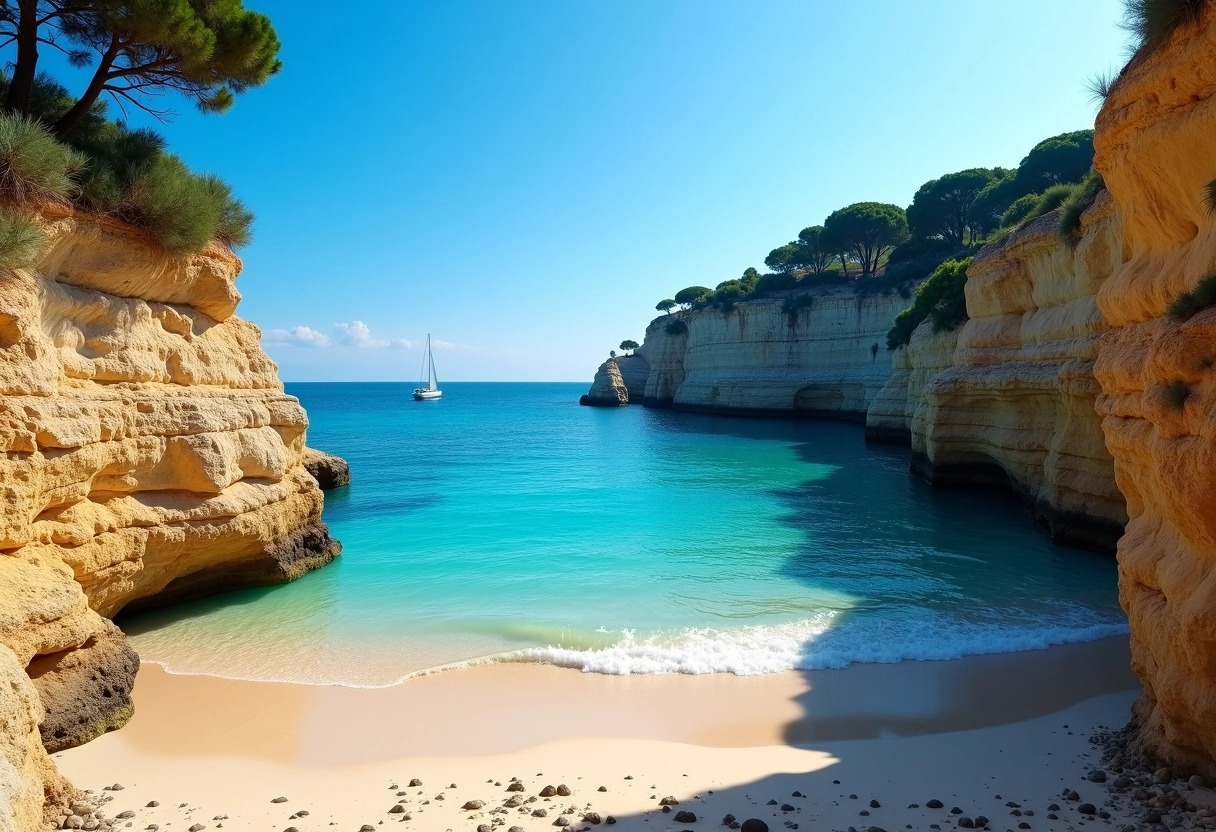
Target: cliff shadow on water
[(907, 571)]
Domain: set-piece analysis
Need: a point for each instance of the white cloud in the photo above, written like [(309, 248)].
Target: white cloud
[(358, 334), (300, 336), (354, 334)]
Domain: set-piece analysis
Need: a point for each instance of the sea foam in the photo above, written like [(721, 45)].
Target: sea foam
[(809, 644)]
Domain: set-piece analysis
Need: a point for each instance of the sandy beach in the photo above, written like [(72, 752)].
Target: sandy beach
[(975, 734)]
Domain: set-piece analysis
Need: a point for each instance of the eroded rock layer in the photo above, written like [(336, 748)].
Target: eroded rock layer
[(1158, 383), (1015, 408), (149, 455)]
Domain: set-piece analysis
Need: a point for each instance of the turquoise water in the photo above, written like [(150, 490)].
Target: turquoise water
[(505, 522)]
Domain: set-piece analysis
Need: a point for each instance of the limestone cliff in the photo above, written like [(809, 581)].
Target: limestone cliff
[(757, 359), (1158, 382), (1013, 407), (608, 389), (663, 350), (150, 455)]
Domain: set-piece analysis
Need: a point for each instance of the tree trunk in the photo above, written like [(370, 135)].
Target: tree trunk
[(26, 68), (85, 103)]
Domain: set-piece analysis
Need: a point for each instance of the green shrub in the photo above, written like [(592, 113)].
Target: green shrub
[(1050, 200), (676, 327), (776, 282), (792, 306), (1153, 21), (1176, 393), (941, 299), (177, 208), (1190, 304), (20, 241), (1019, 210), (1082, 197), (235, 228), (34, 167), (111, 169)]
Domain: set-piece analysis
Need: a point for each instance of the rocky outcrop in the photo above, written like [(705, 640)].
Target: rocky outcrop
[(635, 370), (1158, 383), (608, 389), (328, 470), (30, 788), (86, 690), (1015, 406), (149, 455)]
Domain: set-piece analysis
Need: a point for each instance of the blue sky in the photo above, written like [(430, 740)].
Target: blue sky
[(526, 179)]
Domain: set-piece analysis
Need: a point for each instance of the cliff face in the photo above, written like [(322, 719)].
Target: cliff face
[(759, 360), (890, 416), (664, 353), (150, 455), (1015, 406), (1155, 150)]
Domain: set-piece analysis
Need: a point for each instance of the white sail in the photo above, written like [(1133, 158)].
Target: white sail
[(428, 385)]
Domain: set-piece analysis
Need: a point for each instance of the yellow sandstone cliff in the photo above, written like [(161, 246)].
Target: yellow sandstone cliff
[(1155, 148), (1014, 408), (150, 456)]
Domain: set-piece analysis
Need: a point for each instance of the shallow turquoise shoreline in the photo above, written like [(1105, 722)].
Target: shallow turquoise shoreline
[(505, 521)]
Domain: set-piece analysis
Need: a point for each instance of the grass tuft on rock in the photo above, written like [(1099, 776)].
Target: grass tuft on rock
[(1189, 304), (20, 241), (1077, 203), (1152, 22)]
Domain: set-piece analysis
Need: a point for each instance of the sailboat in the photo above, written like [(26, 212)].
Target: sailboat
[(428, 386)]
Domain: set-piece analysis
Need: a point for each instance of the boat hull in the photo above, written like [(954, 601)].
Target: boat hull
[(425, 395)]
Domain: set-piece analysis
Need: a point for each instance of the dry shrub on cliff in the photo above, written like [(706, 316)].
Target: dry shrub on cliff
[(34, 167), (1153, 21), (676, 327), (1189, 304)]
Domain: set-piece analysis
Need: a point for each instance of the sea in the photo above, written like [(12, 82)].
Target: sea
[(505, 523)]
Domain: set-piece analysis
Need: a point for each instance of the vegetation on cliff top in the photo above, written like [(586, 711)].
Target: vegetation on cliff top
[(950, 218), (206, 50)]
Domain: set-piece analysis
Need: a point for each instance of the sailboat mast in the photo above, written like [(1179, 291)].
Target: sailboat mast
[(432, 379)]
